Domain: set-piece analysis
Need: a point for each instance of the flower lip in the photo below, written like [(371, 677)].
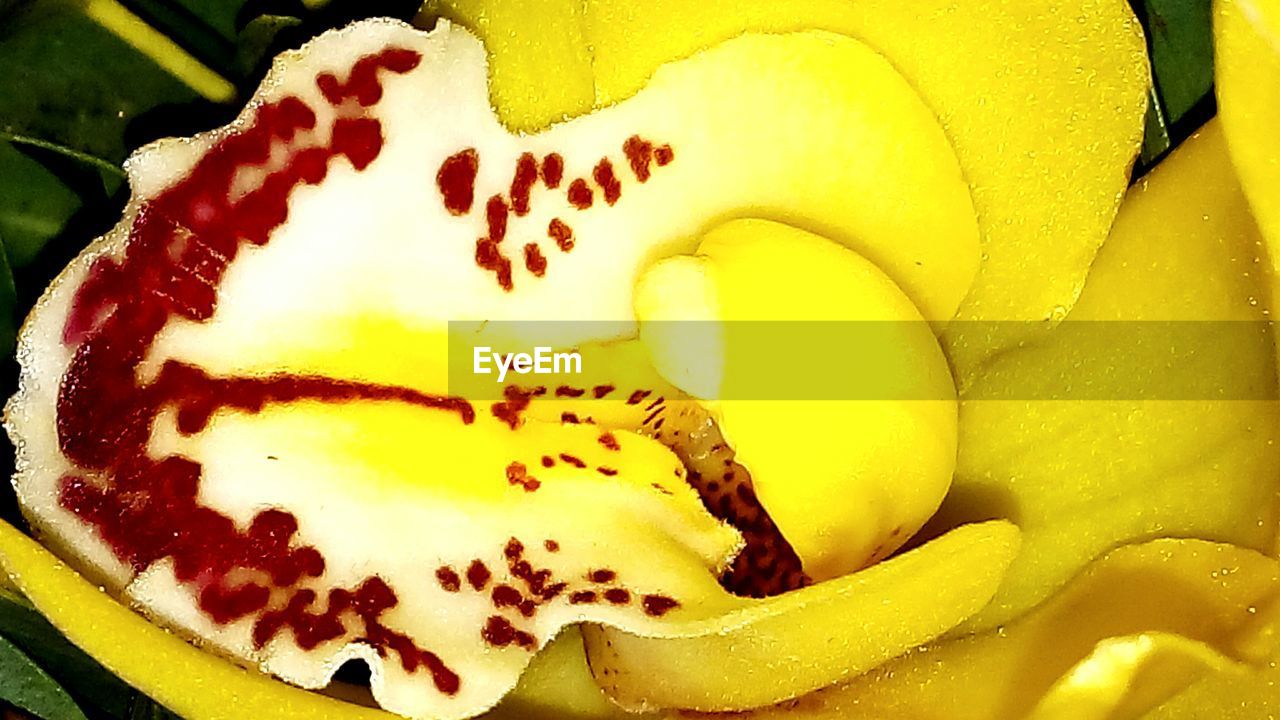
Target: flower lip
[(132, 410)]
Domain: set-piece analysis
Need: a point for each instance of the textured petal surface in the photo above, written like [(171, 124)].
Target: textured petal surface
[(1203, 593), (1082, 476), (807, 639)]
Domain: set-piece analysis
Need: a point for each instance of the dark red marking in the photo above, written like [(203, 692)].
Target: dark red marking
[(580, 195), (600, 391), (551, 545), (506, 596), (522, 183), (514, 549), (617, 596), (655, 403), (607, 471), (561, 233), (610, 441), (582, 597), (478, 575), (516, 400), (638, 397), (534, 262), (663, 155), (639, 154), (496, 213), (362, 82), (603, 575), (548, 461), (552, 170), (603, 174), (658, 605), (499, 632), (572, 460), (518, 474), (490, 258), (570, 392), (457, 181), (570, 418), (448, 579)]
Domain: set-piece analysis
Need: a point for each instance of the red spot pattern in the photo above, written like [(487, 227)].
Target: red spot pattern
[(178, 248), (456, 181)]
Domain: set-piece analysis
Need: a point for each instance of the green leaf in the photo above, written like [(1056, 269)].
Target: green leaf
[(257, 39), (70, 82), (34, 205), (1181, 42), (24, 685)]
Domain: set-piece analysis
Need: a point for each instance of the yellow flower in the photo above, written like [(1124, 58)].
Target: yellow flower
[(1091, 559)]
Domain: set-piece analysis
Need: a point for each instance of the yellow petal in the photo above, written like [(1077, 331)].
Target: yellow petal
[(1043, 102), (1247, 60), (539, 63), (1080, 477), (191, 682), (895, 456), (779, 648), (557, 685), (1202, 593)]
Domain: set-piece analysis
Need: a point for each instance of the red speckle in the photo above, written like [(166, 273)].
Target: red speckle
[(639, 154), (522, 183), (572, 460), (561, 233), (610, 441), (617, 596), (552, 170), (495, 213), (607, 471), (499, 632), (663, 155), (608, 182), (658, 605), (548, 461), (570, 392), (600, 391), (582, 597), (490, 258), (580, 195), (478, 575), (518, 474), (638, 397), (363, 84), (506, 596), (516, 401), (569, 418), (457, 181), (514, 549), (448, 579), (603, 575), (534, 262), (551, 546), (360, 139)]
